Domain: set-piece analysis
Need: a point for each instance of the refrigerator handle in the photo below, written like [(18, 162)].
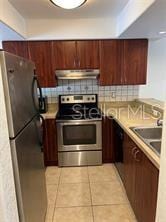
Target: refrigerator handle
[(43, 134), (35, 80)]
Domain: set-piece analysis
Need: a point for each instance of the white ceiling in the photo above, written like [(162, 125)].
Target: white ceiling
[(44, 9)]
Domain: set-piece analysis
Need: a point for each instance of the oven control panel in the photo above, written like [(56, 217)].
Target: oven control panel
[(78, 99)]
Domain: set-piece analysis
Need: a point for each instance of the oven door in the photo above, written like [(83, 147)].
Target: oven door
[(79, 135)]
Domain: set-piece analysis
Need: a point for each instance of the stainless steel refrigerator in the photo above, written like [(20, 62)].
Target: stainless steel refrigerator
[(20, 87)]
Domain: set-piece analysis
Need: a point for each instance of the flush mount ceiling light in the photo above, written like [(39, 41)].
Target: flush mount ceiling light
[(68, 4), (162, 32)]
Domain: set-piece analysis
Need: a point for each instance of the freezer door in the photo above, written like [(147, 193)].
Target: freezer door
[(18, 75), (29, 175)]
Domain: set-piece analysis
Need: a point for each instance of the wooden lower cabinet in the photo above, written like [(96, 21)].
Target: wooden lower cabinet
[(141, 181), (107, 140), (50, 143)]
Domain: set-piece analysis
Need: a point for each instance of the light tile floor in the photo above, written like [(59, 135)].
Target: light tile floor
[(86, 194)]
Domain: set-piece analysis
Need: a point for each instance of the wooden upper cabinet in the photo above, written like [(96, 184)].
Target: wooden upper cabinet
[(64, 55), (88, 54), (135, 62), (19, 48), (123, 62), (40, 54), (75, 54), (110, 62)]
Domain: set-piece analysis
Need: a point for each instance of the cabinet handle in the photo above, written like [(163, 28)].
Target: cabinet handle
[(79, 63), (74, 63), (135, 156), (133, 150)]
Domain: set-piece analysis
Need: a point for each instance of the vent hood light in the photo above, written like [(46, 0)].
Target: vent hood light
[(68, 4), (78, 74)]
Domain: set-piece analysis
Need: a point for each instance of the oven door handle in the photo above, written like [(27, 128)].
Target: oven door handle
[(82, 122)]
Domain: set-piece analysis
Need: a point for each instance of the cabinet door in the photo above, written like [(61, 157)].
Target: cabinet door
[(150, 175), (19, 48), (135, 62), (141, 182), (40, 54), (108, 140), (129, 169), (50, 143), (88, 54), (64, 55), (111, 52)]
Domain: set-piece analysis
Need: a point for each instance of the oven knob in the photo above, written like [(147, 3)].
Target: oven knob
[(67, 99), (93, 98), (88, 98), (63, 99)]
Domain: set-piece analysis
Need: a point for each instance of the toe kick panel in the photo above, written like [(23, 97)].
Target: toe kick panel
[(84, 158)]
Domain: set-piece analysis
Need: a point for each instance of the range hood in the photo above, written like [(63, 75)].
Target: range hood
[(78, 74)]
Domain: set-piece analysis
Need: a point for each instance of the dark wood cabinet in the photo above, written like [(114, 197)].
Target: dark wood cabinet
[(19, 48), (129, 169), (111, 62), (135, 62), (88, 54), (64, 55), (107, 140), (150, 190), (50, 143), (123, 62), (75, 54), (40, 54), (141, 181)]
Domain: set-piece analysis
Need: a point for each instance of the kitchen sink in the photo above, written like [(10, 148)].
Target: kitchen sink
[(156, 146), (151, 136), (149, 133)]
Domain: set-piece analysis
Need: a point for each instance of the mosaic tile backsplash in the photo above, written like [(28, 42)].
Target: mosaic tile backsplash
[(106, 93)]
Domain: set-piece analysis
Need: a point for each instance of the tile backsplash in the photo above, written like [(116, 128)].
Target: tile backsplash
[(105, 93)]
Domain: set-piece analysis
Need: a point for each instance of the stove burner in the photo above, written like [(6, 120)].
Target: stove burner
[(78, 109)]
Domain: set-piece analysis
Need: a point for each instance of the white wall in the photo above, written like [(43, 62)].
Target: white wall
[(10, 16), (131, 12), (161, 215), (8, 204), (156, 83), (72, 28)]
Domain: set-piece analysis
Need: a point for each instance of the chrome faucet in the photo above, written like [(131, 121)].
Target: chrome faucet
[(159, 122)]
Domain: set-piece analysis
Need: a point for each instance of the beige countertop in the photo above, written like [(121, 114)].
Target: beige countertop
[(127, 115), (52, 111)]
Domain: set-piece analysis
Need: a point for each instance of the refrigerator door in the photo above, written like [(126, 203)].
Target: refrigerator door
[(29, 174), (20, 92)]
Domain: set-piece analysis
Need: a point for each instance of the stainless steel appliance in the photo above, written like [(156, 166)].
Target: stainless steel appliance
[(20, 87), (118, 140), (78, 74), (79, 129), (44, 104)]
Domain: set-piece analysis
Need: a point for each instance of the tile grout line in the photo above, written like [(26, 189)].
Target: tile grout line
[(56, 194), (91, 196)]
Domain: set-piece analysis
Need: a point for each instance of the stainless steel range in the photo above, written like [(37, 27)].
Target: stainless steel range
[(79, 129)]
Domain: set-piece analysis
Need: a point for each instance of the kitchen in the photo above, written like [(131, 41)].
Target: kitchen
[(116, 66)]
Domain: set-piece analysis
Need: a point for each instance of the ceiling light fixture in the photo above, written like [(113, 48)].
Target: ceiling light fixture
[(162, 32), (68, 4)]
